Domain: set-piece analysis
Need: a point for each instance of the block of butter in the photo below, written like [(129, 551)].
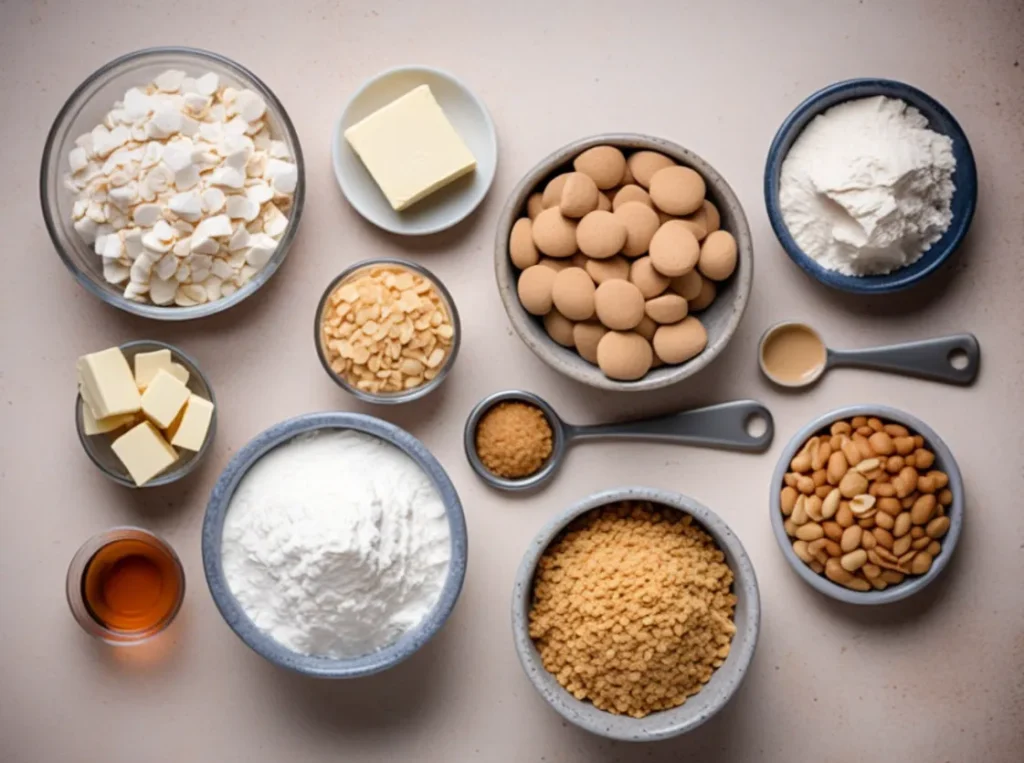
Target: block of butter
[(91, 425), (189, 431), (163, 399), (144, 452), (148, 363), (107, 385), (410, 148)]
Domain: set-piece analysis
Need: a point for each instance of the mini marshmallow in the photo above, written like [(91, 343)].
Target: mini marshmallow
[(78, 209), (155, 242), (236, 126), (260, 193), (146, 215), (219, 225), (221, 269), (164, 123), (207, 84), (125, 196), (187, 177), (188, 206), (166, 267), (170, 80), (260, 250), (113, 272), (182, 273), (196, 103), (274, 221), (242, 207), (152, 154), (178, 154), (162, 290), (278, 149), (133, 243), (283, 175), (213, 200), (250, 105), (142, 268), (228, 177), (78, 159), (212, 287), (189, 126), (136, 104), (113, 248), (240, 239), (183, 247)]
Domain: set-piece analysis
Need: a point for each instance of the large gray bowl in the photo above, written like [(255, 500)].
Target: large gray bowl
[(698, 708), (720, 320), (231, 610), (944, 461)]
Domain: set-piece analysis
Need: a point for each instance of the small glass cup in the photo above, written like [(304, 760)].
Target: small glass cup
[(408, 395), (75, 587)]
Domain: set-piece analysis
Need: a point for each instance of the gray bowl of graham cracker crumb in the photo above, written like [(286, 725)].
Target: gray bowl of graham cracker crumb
[(725, 679)]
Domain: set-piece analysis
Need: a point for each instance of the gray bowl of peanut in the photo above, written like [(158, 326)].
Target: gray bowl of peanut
[(867, 504)]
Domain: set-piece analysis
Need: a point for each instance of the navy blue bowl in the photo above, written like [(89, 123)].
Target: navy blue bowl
[(231, 610), (965, 178)]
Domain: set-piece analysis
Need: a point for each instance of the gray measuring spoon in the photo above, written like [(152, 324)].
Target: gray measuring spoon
[(716, 426), (793, 354)]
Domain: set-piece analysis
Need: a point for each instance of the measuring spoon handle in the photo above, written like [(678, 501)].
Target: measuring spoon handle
[(716, 426), (927, 359)]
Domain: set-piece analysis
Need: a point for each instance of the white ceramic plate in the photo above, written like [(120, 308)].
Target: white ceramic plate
[(447, 206)]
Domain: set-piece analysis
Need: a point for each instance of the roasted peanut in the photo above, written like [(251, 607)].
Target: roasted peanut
[(941, 478), (832, 548), (867, 523), (821, 454), (834, 571), (937, 527), (921, 563), (861, 505), (896, 430), (810, 531), (813, 507), (885, 521), (805, 484), (923, 509), (830, 504), (789, 527), (790, 479), (884, 489), (946, 497), (877, 583), (894, 464), (819, 478), (918, 441), (891, 577), (906, 482), (858, 584), (799, 515), (883, 536), (859, 421), (868, 541), (832, 530), (851, 452), (788, 499), (854, 560), (853, 484), (881, 443), (864, 446), (837, 467), (871, 570), (890, 506), (921, 543), (902, 526), (923, 459), (926, 484), (901, 545), (800, 549), (841, 427), (916, 532), (904, 445), (934, 548), (844, 516), (818, 567), (822, 490), (851, 538)]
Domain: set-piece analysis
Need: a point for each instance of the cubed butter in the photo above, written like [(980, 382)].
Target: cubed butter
[(107, 385), (179, 372), (410, 148), (148, 363), (144, 452), (189, 432), (93, 426), (164, 398)]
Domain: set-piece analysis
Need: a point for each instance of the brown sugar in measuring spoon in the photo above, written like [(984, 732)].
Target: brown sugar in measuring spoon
[(793, 354)]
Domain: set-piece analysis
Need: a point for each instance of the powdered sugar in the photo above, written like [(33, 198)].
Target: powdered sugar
[(336, 543), (867, 188)]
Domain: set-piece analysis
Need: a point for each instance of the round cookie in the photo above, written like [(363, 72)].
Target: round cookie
[(680, 341), (630, 193), (604, 164), (674, 249), (619, 305), (643, 164), (554, 234), (666, 309), (534, 205), (687, 286), (708, 292), (555, 265), (534, 289), (601, 235), (586, 335), (649, 281), (579, 195), (521, 249), (559, 328), (606, 270), (714, 219), (646, 328), (624, 355), (641, 224), (553, 190), (718, 256), (677, 190), (572, 293), (697, 223)]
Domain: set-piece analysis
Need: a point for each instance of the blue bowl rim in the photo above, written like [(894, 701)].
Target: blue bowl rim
[(232, 612), (944, 460), (787, 133)]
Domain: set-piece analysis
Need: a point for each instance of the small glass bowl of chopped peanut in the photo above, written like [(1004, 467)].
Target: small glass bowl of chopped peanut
[(387, 331)]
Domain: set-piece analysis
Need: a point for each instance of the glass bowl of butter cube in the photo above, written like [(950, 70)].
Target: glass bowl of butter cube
[(145, 413), (172, 183)]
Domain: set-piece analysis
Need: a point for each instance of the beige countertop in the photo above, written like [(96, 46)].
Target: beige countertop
[(938, 678)]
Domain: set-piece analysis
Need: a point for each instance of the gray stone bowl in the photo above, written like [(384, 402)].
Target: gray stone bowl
[(698, 708), (720, 320), (231, 610), (944, 461)]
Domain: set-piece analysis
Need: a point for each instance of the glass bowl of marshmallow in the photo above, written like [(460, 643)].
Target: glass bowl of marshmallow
[(172, 183)]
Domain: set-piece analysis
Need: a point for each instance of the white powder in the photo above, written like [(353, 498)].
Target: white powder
[(336, 543), (866, 188)]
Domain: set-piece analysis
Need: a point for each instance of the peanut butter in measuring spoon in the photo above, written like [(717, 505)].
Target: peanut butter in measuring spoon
[(792, 354)]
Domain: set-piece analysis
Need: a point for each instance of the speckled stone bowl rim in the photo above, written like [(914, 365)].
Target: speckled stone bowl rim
[(965, 177), (726, 679), (198, 383), (529, 328), (944, 461), (213, 528)]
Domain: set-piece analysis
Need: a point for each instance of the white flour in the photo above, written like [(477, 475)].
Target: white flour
[(866, 187), (336, 543)]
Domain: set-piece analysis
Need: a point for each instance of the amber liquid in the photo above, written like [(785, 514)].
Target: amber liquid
[(131, 586)]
